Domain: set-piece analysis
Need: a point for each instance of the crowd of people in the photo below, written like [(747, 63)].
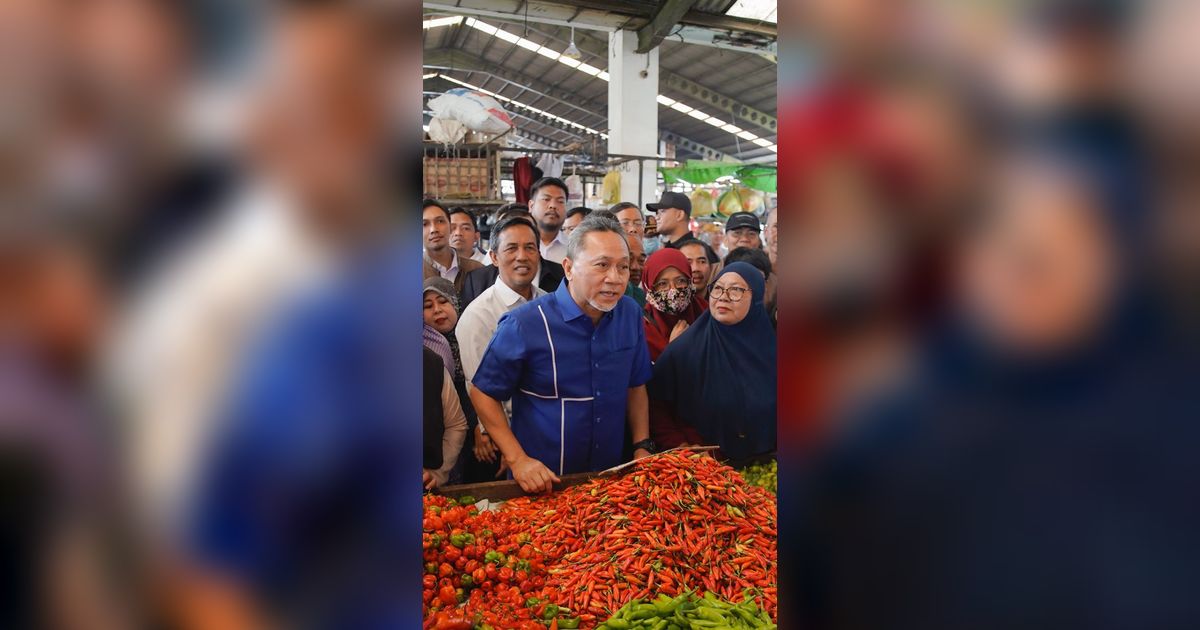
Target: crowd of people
[(573, 351)]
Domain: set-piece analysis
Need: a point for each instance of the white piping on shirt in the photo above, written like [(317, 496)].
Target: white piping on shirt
[(562, 406), (553, 355)]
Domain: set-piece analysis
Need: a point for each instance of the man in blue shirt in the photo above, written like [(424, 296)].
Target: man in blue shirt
[(574, 363)]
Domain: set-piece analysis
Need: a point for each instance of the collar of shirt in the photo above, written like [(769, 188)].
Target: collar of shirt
[(508, 296), (452, 269), (567, 307), (559, 242)]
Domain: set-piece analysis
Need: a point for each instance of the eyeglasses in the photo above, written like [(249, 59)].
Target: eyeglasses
[(632, 223), (678, 283), (733, 294)]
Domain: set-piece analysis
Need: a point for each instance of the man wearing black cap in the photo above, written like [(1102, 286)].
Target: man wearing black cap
[(673, 212), (742, 230)]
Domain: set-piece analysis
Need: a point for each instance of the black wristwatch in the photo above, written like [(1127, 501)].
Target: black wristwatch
[(648, 445)]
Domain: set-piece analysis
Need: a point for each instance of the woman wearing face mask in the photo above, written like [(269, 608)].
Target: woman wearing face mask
[(716, 384), (671, 302)]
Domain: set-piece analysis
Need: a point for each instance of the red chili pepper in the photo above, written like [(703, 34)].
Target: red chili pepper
[(675, 521)]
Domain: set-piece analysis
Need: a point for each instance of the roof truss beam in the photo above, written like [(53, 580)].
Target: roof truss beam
[(706, 152), (459, 60), (666, 16), (669, 80), (602, 15)]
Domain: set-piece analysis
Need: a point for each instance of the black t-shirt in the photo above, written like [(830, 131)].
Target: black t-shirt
[(683, 240)]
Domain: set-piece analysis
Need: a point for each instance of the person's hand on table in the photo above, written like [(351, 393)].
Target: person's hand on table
[(640, 453), (532, 475), (485, 448), (428, 479)]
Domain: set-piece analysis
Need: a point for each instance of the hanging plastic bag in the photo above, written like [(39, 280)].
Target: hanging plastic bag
[(574, 190), (702, 203), (610, 188), (476, 110), (752, 200), (729, 203), (446, 131)]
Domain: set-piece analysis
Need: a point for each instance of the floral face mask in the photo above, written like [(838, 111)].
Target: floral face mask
[(671, 301)]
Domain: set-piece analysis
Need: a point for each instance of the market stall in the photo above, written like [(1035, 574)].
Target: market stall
[(677, 539)]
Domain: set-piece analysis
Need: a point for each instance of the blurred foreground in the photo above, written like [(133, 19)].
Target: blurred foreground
[(186, 189)]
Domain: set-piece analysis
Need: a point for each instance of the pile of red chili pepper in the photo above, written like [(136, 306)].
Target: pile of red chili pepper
[(479, 569), (677, 521)]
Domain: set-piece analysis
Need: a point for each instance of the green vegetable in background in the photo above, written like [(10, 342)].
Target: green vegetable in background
[(762, 475), (690, 611)]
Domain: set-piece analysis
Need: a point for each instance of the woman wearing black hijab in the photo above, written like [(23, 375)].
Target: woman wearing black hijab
[(716, 383)]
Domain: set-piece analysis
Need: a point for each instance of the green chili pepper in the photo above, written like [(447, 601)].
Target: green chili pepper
[(643, 611), (711, 615), (667, 607)]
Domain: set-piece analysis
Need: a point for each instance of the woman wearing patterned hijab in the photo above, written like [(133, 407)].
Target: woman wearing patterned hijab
[(671, 301)]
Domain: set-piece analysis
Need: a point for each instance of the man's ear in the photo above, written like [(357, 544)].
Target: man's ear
[(492, 255), (566, 265)]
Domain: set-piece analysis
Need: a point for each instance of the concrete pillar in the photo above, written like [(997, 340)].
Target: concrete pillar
[(633, 113)]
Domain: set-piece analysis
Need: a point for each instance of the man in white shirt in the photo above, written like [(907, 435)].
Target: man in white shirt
[(464, 236), (514, 251), (548, 205)]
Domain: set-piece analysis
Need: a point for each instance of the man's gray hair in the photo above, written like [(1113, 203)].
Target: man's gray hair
[(594, 222)]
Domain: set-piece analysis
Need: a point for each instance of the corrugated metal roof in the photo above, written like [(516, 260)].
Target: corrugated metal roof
[(537, 81)]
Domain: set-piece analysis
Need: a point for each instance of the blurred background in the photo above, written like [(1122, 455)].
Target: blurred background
[(988, 252)]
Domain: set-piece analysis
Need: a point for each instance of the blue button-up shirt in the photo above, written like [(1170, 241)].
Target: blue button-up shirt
[(568, 380)]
